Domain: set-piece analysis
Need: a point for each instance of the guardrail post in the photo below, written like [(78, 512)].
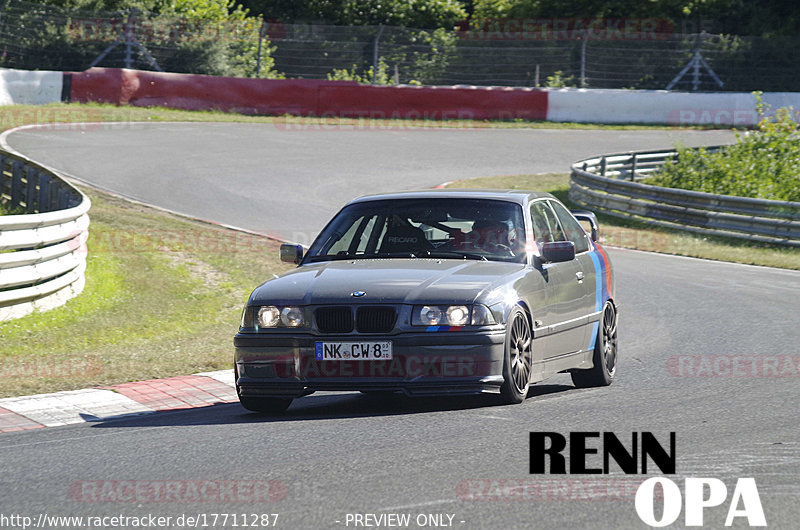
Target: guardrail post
[(16, 183), (44, 193), (63, 198), (3, 174), (633, 167), (603, 166), (31, 175)]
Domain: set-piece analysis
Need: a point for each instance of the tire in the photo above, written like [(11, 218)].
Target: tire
[(605, 353), (518, 359), (265, 404)]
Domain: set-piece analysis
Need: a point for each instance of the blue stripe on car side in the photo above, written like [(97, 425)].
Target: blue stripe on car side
[(599, 278)]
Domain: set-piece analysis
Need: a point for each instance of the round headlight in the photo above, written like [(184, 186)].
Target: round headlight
[(268, 316), (292, 317), (430, 315), (457, 315)]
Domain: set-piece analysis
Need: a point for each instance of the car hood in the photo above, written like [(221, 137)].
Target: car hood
[(406, 281)]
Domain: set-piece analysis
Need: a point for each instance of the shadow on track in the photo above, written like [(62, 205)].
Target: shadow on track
[(319, 407)]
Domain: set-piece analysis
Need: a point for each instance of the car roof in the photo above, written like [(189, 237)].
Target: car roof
[(518, 196)]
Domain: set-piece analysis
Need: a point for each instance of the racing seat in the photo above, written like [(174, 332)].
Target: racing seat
[(404, 238)]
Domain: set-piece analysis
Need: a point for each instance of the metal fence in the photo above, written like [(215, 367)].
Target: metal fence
[(608, 184), (36, 36), (42, 246)]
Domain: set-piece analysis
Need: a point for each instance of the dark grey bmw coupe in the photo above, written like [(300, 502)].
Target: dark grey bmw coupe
[(436, 292)]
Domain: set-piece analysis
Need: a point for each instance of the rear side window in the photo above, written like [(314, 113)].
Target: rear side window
[(572, 228)]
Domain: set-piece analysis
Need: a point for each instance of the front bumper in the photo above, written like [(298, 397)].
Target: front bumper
[(434, 363)]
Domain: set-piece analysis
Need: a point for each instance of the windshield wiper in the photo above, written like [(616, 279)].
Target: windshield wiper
[(335, 257), (454, 254), (330, 257), (408, 254)]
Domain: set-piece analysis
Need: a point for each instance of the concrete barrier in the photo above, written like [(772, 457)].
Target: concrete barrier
[(23, 87), (652, 107), (662, 107)]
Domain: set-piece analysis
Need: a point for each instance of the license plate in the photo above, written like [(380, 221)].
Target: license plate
[(353, 351)]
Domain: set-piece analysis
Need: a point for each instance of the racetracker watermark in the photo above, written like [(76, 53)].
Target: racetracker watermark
[(168, 29), (401, 366), (371, 121), (50, 367), (554, 29), (69, 119), (644, 240), (216, 241), (149, 520), (752, 366), (51, 118), (543, 490), (183, 491), (717, 118)]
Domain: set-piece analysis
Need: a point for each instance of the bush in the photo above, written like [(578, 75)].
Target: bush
[(764, 163), (560, 80), (365, 78)]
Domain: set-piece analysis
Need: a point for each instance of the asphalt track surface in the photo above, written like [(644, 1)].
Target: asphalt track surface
[(347, 453), (278, 179)]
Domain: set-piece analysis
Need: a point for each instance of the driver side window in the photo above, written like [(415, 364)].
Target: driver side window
[(546, 228), (572, 227)]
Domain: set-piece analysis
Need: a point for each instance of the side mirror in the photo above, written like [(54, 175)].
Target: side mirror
[(588, 217), (558, 251), (291, 253)]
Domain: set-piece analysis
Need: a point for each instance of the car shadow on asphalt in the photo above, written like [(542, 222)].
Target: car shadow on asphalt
[(328, 406)]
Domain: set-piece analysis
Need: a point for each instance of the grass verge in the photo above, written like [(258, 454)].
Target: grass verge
[(17, 115), (638, 235), (163, 297)]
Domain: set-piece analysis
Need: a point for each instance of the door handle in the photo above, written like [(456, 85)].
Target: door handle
[(579, 276)]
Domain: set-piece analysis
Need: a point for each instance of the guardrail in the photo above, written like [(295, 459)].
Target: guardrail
[(42, 248), (609, 184)]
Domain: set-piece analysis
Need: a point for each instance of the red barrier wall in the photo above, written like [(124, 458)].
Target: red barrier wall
[(98, 85), (195, 92), (305, 97), (478, 103)]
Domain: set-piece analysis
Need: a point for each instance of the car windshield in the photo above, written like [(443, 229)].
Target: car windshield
[(479, 229)]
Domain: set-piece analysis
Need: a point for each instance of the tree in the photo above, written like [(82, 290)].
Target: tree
[(740, 17), (425, 14), (194, 36)]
